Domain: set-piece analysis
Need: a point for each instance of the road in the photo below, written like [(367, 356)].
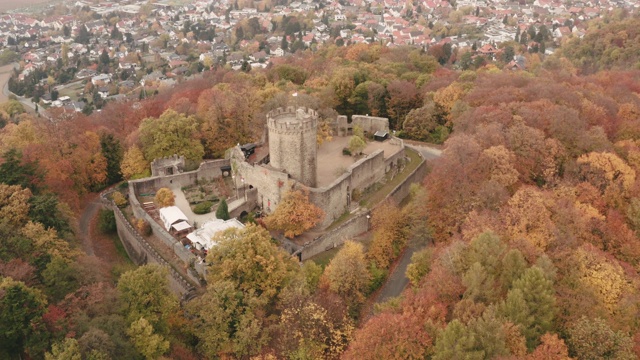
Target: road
[(427, 151), (84, 224), (6, 93), (397, 280)]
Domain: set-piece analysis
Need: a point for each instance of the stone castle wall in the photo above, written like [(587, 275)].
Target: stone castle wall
[(369, 124), (141, 252), (335, 198), (207, 171), (292, 142), (167, 166), (360, 223), (271, 183)]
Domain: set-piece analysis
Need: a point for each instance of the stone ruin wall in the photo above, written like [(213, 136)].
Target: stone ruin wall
[(369, 124), (167, 166)]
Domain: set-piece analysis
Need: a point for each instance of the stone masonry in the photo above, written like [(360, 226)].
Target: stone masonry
[(292, 143)]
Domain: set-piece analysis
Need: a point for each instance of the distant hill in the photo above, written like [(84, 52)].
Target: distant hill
[(7, 5), (606, 45)]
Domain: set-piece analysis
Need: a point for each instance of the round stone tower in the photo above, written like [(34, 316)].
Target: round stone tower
[(293, 144)]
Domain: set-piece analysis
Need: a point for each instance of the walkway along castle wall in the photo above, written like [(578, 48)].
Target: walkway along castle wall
[(141, 252)]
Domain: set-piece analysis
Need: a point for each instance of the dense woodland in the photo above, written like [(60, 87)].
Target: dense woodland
[(529, 220)]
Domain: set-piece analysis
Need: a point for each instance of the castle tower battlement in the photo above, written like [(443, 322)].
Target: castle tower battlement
[(293, 142)]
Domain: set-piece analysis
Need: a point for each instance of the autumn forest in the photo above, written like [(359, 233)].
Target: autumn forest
[(527, 226)]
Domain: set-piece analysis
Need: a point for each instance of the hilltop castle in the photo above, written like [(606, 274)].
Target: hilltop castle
[(294, 161)]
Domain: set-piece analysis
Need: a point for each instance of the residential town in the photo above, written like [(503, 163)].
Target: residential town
[(78, 56)]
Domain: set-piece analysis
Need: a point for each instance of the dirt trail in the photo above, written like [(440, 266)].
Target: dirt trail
[(84, 224)]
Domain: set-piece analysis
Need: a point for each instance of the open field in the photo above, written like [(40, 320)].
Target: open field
[(6, 5)]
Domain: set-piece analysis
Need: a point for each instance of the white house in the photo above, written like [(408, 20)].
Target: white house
[(104, 78)]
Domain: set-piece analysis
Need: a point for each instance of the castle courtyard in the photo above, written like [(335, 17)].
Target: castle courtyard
[(332, 164)]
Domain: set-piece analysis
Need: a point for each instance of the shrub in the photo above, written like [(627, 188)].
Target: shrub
[(107, 222), (143, 227), (377, 277), (420, 266), (223, 210), (119, 199), (356, 145), (203, 208), (346, 151)]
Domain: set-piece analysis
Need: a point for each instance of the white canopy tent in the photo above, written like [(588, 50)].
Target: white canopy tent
[(171, 215), (202, 238)]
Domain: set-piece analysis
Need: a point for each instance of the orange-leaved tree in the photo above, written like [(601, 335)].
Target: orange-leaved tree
[(295, 214)]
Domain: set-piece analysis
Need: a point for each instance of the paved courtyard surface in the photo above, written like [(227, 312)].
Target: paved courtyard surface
[(183, 204), (332, 164)]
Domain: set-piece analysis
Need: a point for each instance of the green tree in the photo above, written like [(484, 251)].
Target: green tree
[(347, 275), (246, 274), (171, 133), (513, 266), (489, 335), (592, 339), (13, 171), (83, 36), (356, 145), (107, 221), (60, 278), (144, 292), (420, 265), (456, 342), (480, 284), (104, 57), (21, 310), (531, 304), (253, 263), (218, 316), (113, 153), (8, 56), (486, 249), (223, 210), (146, 341), (46, 210), (67, 349)]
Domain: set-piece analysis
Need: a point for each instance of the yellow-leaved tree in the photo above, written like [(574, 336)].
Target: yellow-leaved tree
[(605, 277), (295, 214), (134, 164), (14, 205), (164, 197), (347, 275), (526, 216), (391, 231)]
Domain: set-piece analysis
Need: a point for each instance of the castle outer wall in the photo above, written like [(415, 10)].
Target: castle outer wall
[(293, 143)]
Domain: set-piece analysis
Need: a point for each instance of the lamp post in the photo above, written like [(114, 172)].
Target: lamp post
[(244, 189), (235, 184), (368, 221)]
